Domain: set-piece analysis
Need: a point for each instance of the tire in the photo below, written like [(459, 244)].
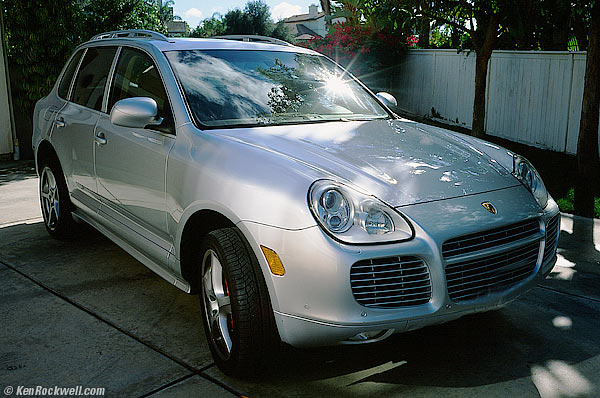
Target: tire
[(236, 310), (55, 202)]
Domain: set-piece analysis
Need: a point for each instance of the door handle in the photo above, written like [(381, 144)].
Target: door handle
[(100, 138), (60, 122)]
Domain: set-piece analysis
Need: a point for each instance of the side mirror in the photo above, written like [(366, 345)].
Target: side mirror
[(387, 99), (137, 112)]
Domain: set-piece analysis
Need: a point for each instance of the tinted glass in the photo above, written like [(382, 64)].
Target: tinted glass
[(229, 88), (91, 79), (137, 76), (65, 83)]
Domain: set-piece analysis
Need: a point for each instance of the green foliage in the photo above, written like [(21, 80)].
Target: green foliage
[(373, 37), (41, 35), (391, 16), (361, 49), (105, 15), (213, 26), (255, 19), (524, 24), (164, 10), (567, 203), (282, 31)]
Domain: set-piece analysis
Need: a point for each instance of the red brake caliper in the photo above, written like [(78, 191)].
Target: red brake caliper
[(229, 316)]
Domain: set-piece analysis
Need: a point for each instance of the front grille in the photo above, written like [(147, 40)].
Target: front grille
[(484, 275), (490, 238), (391, 282), (551, 237)]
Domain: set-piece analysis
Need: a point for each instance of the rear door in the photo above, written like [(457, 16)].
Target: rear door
[(131, 162), (75, 122)]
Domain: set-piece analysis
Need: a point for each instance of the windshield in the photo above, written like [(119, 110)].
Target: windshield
[(233, 88)]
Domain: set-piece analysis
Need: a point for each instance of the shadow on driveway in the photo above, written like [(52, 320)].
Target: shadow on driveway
[(545, 341)]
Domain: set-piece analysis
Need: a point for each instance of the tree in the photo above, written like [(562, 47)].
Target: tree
[(255, 19), (588, 163), (41, 35), (165, 10), (393, 17), (213, 26), (326, 7), (106, 15), (39, 40), (282, 31), (480, 21)]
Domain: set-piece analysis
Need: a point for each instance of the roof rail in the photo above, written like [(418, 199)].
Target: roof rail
[(132, 33), (254, 38)]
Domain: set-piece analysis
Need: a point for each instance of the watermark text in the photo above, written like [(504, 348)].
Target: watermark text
[(54, 391)]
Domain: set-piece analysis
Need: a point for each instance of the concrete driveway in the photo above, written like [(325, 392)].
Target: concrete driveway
[(84, 313)]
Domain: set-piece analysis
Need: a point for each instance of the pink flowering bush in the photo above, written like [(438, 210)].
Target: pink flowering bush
[(361, 49), (412, 41)]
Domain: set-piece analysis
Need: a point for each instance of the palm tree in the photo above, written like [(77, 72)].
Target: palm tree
[(165, 10)]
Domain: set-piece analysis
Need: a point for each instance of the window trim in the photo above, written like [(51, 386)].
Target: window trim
[(162, 80), (109, 81)]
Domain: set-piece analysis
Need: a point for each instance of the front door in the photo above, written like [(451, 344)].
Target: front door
[(131, 162)]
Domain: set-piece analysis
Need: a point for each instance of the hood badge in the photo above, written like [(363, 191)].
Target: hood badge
[(489, 207)]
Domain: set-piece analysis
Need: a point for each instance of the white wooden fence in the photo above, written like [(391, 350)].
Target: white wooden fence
[(533, 97)]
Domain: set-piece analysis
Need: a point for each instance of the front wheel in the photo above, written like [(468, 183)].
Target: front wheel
[(237, 314)]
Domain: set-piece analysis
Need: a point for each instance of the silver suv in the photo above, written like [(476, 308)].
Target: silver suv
[(268, 180)]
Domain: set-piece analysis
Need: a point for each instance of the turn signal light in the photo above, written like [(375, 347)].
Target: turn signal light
[(273, 260)]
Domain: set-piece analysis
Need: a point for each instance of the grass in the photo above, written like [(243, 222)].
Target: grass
[(566, 203)]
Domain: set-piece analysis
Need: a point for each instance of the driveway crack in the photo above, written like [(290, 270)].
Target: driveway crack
[(195, 371)]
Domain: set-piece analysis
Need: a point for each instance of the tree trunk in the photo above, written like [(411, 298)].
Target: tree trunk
[(424, 26), (483, 55), (579, 31), (588, 164), (326, 6)]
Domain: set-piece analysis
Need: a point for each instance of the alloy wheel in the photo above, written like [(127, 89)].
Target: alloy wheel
[(217, 305)]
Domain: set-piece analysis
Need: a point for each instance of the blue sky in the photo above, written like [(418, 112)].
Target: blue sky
[(193, 11)]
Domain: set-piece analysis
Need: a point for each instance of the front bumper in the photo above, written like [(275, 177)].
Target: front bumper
[(314, 304)]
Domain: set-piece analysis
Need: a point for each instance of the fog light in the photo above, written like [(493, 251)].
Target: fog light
[(364, 336), (273, 260)]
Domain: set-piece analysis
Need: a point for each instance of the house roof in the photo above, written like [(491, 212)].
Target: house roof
[(304, 17), (303, 30)]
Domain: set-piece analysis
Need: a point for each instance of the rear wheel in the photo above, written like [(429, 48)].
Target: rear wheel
[(55, 202), (237, 314)]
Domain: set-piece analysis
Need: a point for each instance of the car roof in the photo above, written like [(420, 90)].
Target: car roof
[(224, 44), (163, 43)]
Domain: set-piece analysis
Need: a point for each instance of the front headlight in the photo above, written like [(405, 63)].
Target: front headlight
[(528, 175), (356, 218)]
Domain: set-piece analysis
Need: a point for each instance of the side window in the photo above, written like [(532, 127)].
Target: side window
[(136, 76), (91, 79), (65, 83)]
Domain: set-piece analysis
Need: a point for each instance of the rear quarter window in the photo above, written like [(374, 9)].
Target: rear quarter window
[(65, 83)]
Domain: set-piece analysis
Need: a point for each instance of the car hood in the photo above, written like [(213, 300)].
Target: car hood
[(399, 161)]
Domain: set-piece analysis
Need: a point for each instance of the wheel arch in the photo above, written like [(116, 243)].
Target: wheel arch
[(200, 223), (45, 153), (197, 221)]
